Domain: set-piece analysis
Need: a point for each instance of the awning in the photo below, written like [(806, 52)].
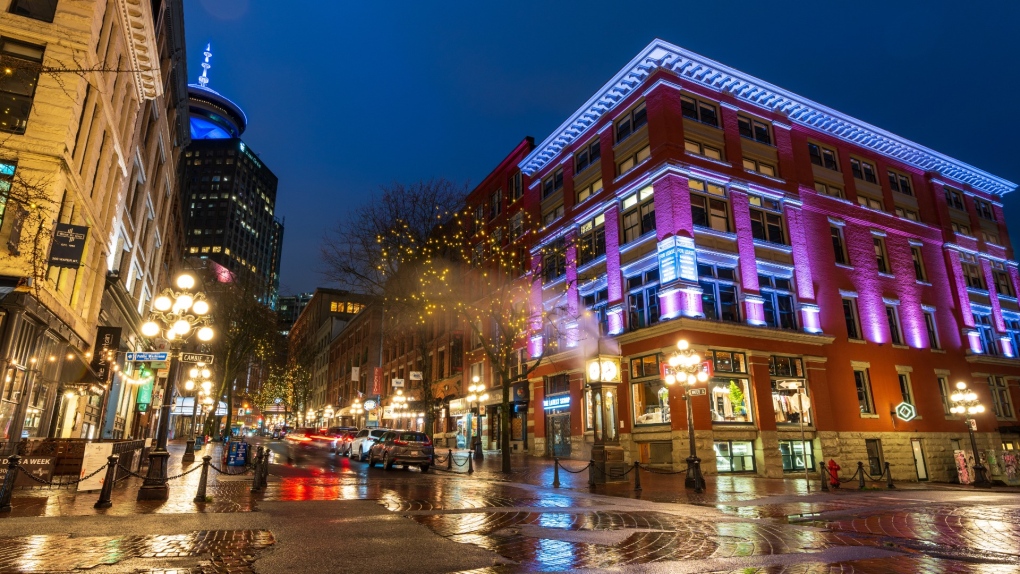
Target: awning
[(185, 406), (344, 412)]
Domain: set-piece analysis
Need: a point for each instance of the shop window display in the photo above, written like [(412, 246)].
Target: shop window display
[(730, 400), (650, 396), (734, 456), (789, 390)]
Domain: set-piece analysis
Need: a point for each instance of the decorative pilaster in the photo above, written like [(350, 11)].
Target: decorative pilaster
[(614, 277), (753, 304), (796, 227), (536, 343), (960, 287), (573, 298), (993, 295)]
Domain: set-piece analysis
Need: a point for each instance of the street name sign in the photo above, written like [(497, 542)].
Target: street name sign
[(196, 358), (136, 357)]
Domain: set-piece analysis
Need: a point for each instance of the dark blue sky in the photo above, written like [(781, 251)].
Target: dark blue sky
[(344, 96)]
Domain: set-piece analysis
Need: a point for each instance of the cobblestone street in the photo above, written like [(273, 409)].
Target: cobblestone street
[(487, 523)]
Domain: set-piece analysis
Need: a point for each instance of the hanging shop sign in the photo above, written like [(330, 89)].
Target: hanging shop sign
[(107, 339), (377, 376), (355, 374), (906, 412), (414, 375), (68, 245), (397, 383)]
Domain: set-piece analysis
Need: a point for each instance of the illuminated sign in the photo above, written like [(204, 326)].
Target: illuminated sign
[(556, 402), (906, 412), (370, 405)]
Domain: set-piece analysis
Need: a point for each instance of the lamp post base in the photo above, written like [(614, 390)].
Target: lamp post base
[(694, 478), (479, 455), (189, 451), (981, 476), (155, 486)]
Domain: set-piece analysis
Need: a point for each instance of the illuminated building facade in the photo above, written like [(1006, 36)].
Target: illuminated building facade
[(795, 247), (229, 194)]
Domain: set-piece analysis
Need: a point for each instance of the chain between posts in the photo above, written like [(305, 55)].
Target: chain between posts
[(72, 481)]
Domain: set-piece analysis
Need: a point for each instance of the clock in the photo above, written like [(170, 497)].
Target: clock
[(603, 370), (609, 371), (594, 373)]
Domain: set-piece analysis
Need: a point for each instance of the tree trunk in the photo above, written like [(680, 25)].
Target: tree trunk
[(504, 427)]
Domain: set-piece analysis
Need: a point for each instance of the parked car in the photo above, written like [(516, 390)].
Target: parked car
[(338, 433), (405, 448), (363, 441), (304, 441), (344, 442)]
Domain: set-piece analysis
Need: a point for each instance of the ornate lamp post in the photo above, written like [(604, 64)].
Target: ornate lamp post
[(399, 406), (965, 402), (476, 397), (357, 410), (201, 374), (685, 368), (175, 315)]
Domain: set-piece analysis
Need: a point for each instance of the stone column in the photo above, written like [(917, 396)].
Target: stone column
[(754, 311)]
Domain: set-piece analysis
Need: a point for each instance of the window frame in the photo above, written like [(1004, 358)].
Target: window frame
[(647, 294), (852, 319), (773, 295), (840, 254), (865, 394), (931, 329), (593, 237), (552, 183), (900, 182), (892, 315), (826, 157), (49, 17), (863, 170), (634, 118), (28, 80), (591, 152), (589, 190), (636, 203), (753, 125), (954, 199), (757, 165), (700, 150), (704, 192), (1002, 402), (694, 108), (711, 289), (632, 160), (984, 209), (825, 190)]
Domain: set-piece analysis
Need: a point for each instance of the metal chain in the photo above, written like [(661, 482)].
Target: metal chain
[(248, 468), (582, 469), (859, 469), (662, 471), (185, 473), (51, 483), (128, 473)]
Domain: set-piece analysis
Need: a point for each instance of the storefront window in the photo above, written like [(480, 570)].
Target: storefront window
[(650, 396), (796, 454), (610, 415), (734, 456), (589, 411), (730, 400), (598, 415), (790, 399), (729, 362)]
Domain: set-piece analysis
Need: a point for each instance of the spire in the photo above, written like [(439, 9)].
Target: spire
[(203, 80)]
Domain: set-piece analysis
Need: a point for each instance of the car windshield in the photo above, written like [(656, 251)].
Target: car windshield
[(413, 437), (378, 433)]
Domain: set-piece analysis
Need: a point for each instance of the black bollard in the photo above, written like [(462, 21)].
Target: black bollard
[(591, 473), (637, 477), (699, 485), (888, 477), (265, 469), (556, 472), (106, 494), (471, 465), (7, 488), (449, 459), (256, 482), (825, 476), (204, 479), (860, 473)]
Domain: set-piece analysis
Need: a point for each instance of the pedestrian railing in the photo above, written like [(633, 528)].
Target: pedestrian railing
[(831, 481), (450, 461)]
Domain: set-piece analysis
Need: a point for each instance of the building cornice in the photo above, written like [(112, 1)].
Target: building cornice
[(140, 29), (720, 327), (710, 74), (990, 360)]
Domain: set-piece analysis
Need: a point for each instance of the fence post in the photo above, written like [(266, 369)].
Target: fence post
[(7, 488), (257, 479), (106, 494), (825, 476), (888, 477), (471, 465), (637, 477), (449, 459), (204, 479), (265, 468), (699, 484), (556, 472), (591, 472), (860, 473)]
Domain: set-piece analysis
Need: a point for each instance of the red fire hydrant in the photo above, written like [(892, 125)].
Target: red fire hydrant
[(833, 469)]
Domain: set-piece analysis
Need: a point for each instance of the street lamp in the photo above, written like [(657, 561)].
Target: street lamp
[(175, 316), (965, 402), (198, 376), (684, 367), (357, 410), (477, 396)]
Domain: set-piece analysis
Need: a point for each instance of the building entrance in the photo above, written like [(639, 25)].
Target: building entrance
[(558, 434)]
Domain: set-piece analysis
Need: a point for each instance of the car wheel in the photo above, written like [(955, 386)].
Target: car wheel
[(424, 468), (361, 454), (387, 463)]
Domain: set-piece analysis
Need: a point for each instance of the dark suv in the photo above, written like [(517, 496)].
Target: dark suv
[(405, 448)]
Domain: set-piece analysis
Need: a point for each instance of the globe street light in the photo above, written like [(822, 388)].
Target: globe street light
[(175, 316), (965, 403), (357, 409), (198, 376), (684, 367), (477, 396)]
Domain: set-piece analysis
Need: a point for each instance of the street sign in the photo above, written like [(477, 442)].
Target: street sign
[(415, 375), (398, 382), (697, 392), (196, 358), (136, 357)]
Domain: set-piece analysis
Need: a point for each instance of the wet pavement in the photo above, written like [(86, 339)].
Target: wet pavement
[(308, 516)]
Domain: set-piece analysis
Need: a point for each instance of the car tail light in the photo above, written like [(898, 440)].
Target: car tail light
[(428, 441), (400, 442)]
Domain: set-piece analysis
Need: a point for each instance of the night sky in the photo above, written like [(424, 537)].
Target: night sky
[(344, 96)]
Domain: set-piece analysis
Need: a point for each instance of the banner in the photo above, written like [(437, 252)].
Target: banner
[(377, 375), (107, 339), (68, 245), (356, 374)]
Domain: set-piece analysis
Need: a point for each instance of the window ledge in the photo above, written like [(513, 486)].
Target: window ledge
[(845, 266), (708, 159), (976, 291), (765, 175), (940, 351), (750, 139), (1011, 419), (589, 264), (857, 341), (702, 230), (868, 416), (901, 347), (886, 275), (781, 247), (1007, 298), (925, 283)]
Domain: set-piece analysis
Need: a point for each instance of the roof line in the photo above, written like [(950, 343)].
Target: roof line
[(708, 73)]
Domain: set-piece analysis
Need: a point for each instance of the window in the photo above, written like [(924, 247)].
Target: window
[(7, 170), (516, 187), (870, 202), (719, 292), (895, 332), (829, 190), (597, 303), (638, 215), (990, 237), (495, 203), (944, 393), (906, 392), (587, 191), (699, 148), (961, 228), (699, 110), (479, 221), (552, 184), (1001, 402), (734, 456), (754, 129), (797, 455), (650, 393), (907, 214), (730, 400), (643, 299), (631, 122), (36, 9), (972, 271), (767, 226), (788, 388), (554, 260), (839, 245), (778, 295), (1003, 282), (587, 156), (17, 89), (931, 329), (984, 209), (553, 214), (729, 362), (1013, 331), (631, 161), (516, 225), (900, 182), (983, 324), (823, 156), (881, 257), (954, 199), (862, 382), (592, 240), (708, 211), (863, 170), (853, 322), (759, 167)]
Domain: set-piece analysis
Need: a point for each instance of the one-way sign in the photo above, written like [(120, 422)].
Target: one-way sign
[(196, 358), (136, 357)]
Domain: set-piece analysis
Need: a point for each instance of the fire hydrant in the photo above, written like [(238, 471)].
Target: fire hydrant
[(833, 469)]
